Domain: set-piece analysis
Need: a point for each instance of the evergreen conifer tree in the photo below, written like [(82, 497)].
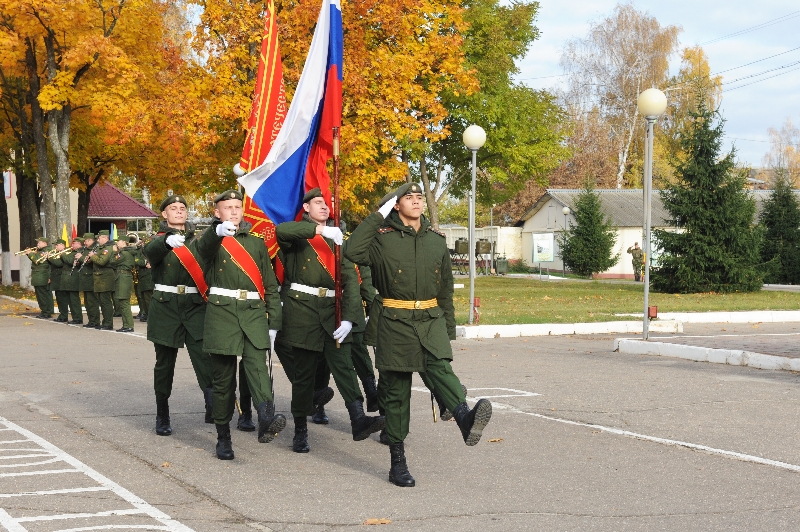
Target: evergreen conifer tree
[(586, 247), (715, 244), (780, 219)]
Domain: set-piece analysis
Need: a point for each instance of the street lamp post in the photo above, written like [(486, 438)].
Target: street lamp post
[(565, 211), (491, 236), (474, 138), (651, 103)]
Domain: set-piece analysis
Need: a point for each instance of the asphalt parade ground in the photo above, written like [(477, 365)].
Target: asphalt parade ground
[(582, 438)]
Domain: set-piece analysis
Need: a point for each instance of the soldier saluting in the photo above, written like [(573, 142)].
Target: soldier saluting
[(244, 311), (412, 320)]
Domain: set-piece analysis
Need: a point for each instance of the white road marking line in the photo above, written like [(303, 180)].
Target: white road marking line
[(723, 335), (130, 511), (9, 523), (37, 455), (137, 502), (29, 464), (109, 527), (47, 472), (54, 492), (518, 393), (12, 441)]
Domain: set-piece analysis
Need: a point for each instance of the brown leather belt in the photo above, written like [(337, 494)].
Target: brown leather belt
[(410, 305)]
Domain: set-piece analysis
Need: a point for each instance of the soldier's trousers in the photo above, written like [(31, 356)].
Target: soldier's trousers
[(286, 358), (74, 304), (144, 301), (115, 303), (306, 363), (62, 299), (106, 301), (44, 296), (362, 363), (394, 389), (124, 306), (92, 303), (164, 370), (223, 367)]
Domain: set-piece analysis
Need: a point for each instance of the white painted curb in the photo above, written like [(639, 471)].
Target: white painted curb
[(560, 329), (35, 304), (732, 357)]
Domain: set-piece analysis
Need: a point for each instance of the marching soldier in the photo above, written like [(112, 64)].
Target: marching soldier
[(145, 286), (86, 273), (244, 313), (70, 280), (104, 279), (56, 268), (40, 278), (309, 317), (412, 320), (178, 309), (123, 263)]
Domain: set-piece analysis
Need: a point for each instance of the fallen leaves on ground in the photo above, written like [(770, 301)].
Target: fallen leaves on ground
[(166, 464), (379, 521), (495, 440)]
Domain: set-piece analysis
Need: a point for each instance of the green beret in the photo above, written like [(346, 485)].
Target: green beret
[(408, 188), (175, 198), (311, 194), (42, 239), (104, 232), (88, 236), (61, 241), (229, 195)]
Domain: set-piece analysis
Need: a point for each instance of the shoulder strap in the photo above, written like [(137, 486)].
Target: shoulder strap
[(324, 254), (245, 262), (191, 265)]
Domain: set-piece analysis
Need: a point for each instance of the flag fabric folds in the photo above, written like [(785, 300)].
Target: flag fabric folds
[(64, 235), (297, 160), (112, 234)]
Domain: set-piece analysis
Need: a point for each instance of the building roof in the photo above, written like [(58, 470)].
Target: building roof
[(109, 202), (624, 207)]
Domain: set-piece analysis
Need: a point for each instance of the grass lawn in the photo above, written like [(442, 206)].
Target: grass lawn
[(507, 301)]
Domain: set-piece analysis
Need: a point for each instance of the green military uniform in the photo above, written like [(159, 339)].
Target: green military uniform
[(145, 286), (56, 269), (104, 280), (177, 316), (238, 321), (85, 271), (637, 259), (412, 321), (40, 279), (123, 263), (70, 284)]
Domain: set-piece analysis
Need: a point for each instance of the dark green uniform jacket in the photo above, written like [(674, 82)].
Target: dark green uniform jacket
[(367, 296), (86, 269), (104, 276), (56, 266), (144, 273), (308, 318), (123, 263), (227, 319), (172, 316), (40, 269), (70, 280), (409, 266)]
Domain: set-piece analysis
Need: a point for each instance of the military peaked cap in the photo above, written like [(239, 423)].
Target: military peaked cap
[(78, 239), (175, 198), (61, 241), (311, 194), (104, 232), (229, 195), (88, 236), (42, 239)]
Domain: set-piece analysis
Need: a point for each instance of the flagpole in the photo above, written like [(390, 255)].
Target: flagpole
[(337, 250)]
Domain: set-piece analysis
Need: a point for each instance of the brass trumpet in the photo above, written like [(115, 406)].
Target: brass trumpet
[(26, 251)]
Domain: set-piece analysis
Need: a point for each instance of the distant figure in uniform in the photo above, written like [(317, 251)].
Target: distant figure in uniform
[(56, 267), (145, 286), (412, 320), (104, 279), (85, 271), (123, 263), (244, 313), (71, 280), (637, 259), (40, 278)]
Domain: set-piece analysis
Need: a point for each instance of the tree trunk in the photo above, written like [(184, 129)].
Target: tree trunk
[(59, 126), (5, 244), (30, 225), (84, 198)]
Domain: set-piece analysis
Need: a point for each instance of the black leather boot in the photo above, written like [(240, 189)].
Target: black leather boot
[(162, 417), (143, 319), (209, 399), (398, 474), (245, 421), (269, 424), (383, 437), (300, 441), (472, 422), (321, 398), (224, 446), (363, 425), (371, 393), (444, 413)]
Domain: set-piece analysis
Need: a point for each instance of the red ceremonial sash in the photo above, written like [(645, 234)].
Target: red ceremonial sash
[(358, 272), (324, 254), (193, 267), (245, 262), (280, 272)]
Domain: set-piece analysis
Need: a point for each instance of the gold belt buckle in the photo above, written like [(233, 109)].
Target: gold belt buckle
[(323, 292), (181, 288), (242, 295), (417, 305)]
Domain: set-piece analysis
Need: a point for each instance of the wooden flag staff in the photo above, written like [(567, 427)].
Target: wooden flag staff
[(337, 249)]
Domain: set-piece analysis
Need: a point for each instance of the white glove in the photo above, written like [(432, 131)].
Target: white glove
[(343, 330), (175, 241), (226, 228), (334, 233), (387, 207), (272, 334), (366, 321)]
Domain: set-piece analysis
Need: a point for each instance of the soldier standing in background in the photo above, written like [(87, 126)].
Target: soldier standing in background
[(637, 259), (104, 279), (123, 263), (56, 267), (178, 308), (244, 314), (412, 320), (145, 286), (85, 271), (70, 280), (40, 278)]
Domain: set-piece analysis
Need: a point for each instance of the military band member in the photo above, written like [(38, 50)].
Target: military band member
[(104, 279), (412, 319), (56, 267), (85, 272), (244, 313), (145, 286), (40, 278), (70, 280), (123, 263), (309, 317), (178, 309)]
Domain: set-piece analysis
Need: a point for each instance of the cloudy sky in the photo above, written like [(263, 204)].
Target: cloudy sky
[(749, 109)]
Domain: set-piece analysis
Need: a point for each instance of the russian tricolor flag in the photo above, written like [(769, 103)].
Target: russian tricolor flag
[(297, 160)]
